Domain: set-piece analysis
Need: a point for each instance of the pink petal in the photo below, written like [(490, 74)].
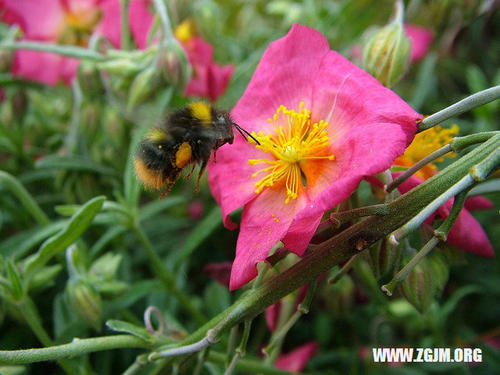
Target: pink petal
[(298, 56), (272, 315), (263, 223), (44, 67), (220, 272), (469, 235), (140, 20), (284, 76), (199, 52), (421, 38), (110, 23), (296, 360), (39, 20), (218, 79), (478, 203), (209, 79)]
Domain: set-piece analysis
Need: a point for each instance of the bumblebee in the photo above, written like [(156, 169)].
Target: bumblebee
[(187, 137)]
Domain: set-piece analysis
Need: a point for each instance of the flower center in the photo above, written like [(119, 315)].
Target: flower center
[(424, 144), (79, 25), (295, 140)]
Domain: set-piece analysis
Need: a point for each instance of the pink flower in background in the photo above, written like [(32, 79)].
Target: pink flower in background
[(296, 360), (466, 233), (208, 80), (219, 272), (421, 39), (322, 124), (70, 22)]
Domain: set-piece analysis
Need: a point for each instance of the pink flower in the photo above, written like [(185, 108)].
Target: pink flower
[(68, 22), (296, 360), (209, 80), (219, 272), (421, 39), (466, 233), (330, 124)]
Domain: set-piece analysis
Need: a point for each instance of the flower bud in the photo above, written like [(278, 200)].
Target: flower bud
[(105, 267), (173, 64), (419, 287), (123, 67), (88, 77), (383, 258), (143, 85), (86, 302), (386, 55)]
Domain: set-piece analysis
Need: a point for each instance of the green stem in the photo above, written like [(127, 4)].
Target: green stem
[(241, 350), (339, 218), (440, 234), (418, 219), (274, 347), (251, 366), (26, 199), (345, 268), (161, 9), (164, 274), (457, 144), (75, 348), (28, 309), (475, 100), (126, 38), (64, 50)]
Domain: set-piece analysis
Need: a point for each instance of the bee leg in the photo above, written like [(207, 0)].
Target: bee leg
[(202, 169), (191, 172), (167, 190)]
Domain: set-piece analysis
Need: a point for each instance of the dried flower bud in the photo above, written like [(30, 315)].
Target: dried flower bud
[(86, 302), (386, 56)]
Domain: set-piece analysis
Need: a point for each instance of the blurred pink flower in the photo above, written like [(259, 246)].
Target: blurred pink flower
[(466, 233), (296, 360), (355, 127), (195, 209), (421, 39), (70, 22), (219, 272), (209, 80)]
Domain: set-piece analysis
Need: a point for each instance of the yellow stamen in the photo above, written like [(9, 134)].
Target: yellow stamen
[(424, 144), (296, 139)]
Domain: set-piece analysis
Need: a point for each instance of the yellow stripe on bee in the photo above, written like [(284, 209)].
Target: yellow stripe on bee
[(157, 135), (183, 155), (202, 112), (150, 178)]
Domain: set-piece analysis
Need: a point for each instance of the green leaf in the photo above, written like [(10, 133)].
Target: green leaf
[(216, 298), (17, 245), (126, 327), (45, 277), (16, 285), (74, 163), (78, 223), (200, 232), (153, 208), (22, 194)]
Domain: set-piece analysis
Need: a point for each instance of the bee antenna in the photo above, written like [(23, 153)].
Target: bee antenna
[(244, 132)]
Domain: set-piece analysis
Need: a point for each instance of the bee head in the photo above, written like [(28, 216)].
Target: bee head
[(223, 123)]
